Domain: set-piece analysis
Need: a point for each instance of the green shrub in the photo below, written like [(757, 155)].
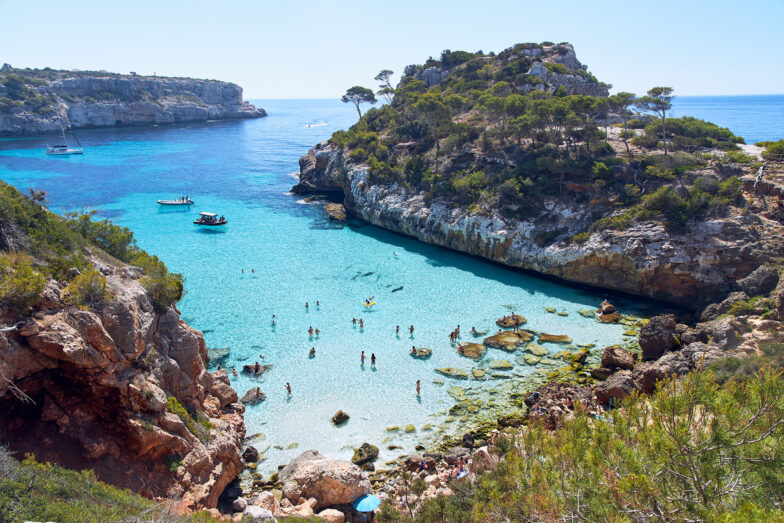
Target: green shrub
[(87, 290), (580, 237), (20, 284), (773, 150), (165, 288)]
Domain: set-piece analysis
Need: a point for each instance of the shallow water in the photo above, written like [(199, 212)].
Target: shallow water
[(290, 255)]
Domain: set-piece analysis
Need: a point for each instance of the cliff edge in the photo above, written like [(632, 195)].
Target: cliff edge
[(41, 100)]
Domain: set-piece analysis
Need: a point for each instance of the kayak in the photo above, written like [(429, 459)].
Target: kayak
[(366, 304)]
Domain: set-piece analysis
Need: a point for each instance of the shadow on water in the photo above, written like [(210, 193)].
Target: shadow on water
[(202, 230), (529, 281)]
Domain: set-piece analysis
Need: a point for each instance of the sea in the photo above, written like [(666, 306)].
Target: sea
[(280, 257)]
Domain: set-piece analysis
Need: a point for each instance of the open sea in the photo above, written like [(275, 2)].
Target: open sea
[(291, 254)]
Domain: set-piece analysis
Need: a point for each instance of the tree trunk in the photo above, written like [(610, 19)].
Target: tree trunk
[(358, 111)]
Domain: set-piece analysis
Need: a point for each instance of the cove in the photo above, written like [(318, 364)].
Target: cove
[(291, 254)]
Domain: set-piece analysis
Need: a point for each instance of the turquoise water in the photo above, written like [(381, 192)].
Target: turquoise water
[(756, 118), (290, 255)]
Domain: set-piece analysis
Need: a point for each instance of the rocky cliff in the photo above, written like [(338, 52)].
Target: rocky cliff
[(120, 387), (690, 268), (35, 101)]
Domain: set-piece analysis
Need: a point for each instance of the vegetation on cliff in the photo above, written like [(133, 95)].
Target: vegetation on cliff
[(503, 132), (43, 245)]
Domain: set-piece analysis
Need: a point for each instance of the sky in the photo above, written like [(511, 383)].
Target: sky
[(317, 49)]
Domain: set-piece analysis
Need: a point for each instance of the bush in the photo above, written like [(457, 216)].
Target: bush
[(87, 290), (20, 285), (165, 288), (773, 150)]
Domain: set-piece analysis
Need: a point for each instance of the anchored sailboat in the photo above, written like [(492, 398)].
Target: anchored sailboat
[(63, 148)]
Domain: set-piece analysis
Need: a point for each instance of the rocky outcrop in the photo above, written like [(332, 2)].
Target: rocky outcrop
[(329, 481), (658, 336), (86, 100), (691, 268), (122, 390)]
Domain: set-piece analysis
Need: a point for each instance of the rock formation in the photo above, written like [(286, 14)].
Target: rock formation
[(122, 390), (329, 481), (98, 99)]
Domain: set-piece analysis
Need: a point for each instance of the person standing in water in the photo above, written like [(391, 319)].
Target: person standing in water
[(418, 389), (363, 358), (306, 305), (372, 359), (310, 331), (411, 330), (361, 324), (397, 330), (312, 352), (288, 388)]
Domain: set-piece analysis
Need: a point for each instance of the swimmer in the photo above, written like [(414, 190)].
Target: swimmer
[(306, 305), (473, 331), (354, 321), (411, 329), (243, 271), (273, 323), (253, 271), (418, 388), (413, 350), (397, 329), (312, 352), (317, 331), (234, 371), (395, 253), (361, 324), (310, 331), (373, 359), (288, 388), (363, 358), (318, 304)]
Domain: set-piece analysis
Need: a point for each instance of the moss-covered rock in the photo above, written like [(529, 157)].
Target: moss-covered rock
[(452, 372)]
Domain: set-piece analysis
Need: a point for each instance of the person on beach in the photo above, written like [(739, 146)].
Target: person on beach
[(310, 331), (418, 388), (312, 352), (363, 358), (372, 359), (288, 388)]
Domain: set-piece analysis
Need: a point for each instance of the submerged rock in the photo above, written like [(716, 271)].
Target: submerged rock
[(530, 359), (457, 393), (336, 212), (536, 350), (366, 453), (478, 374), (451, 372), (421, 353), (508, 340), (471, 350), (588, 313), (554, 338), (500, 365), (253, 396), (340, 418)]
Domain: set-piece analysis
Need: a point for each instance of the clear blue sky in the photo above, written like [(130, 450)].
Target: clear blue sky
[(315, 49)]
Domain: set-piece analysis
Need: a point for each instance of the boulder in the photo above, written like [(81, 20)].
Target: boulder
[(336, 212), (658, 336), (471, 350), (761, 281), (250, 454), (513, 320), (329, 481), (601, 373), (610, 317), (615, 388), (254, 514), (482, 460), (332, 515), (451, 372), (714, 310), (421, 353), (500, 365), (239, 504), (508, 340), (606, 308), (252, 397), (267, 500), (455, 454), (366, 453), (340, 418), (616, 357)]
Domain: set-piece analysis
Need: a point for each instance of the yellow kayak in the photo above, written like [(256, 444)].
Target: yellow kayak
[(366, 304)]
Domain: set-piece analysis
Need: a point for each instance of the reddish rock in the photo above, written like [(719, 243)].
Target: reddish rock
[(658, 336), (615, 388), (616, 357)]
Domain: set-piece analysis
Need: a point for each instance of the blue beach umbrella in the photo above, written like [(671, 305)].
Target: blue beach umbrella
[(367, 503)]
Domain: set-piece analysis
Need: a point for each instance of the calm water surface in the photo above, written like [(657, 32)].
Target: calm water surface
[(291, 255)]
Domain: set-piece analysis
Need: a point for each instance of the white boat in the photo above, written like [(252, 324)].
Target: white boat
[(179, 201), (210, 218), (63, 148)]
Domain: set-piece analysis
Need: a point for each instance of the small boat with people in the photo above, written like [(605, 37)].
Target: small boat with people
[(182, 200), (210, 218)]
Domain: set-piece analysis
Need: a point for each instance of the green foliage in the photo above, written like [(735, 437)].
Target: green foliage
[(739, 369), (468, 188), (359, 95), (555, 67), (165, 288), (194, 420), (773, 150), (695, 451), (87, 290), (753, 305), (20, 284), (688, 133)]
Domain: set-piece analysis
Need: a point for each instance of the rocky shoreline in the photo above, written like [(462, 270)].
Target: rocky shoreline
[(689, 269), (77, 100)]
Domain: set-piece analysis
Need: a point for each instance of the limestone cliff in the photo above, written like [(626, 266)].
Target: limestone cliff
[(121, 389), (690, 268), (34, 101)]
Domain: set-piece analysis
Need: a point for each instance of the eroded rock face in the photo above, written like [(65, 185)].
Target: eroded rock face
[(112, 391), (658, 336), (329, 481), (691, 268)]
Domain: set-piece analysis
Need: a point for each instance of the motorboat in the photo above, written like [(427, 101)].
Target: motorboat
[(210, 218), (185, 200)]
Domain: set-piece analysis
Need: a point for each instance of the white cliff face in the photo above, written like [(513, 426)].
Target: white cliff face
[(689, 269), (128, 101)]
